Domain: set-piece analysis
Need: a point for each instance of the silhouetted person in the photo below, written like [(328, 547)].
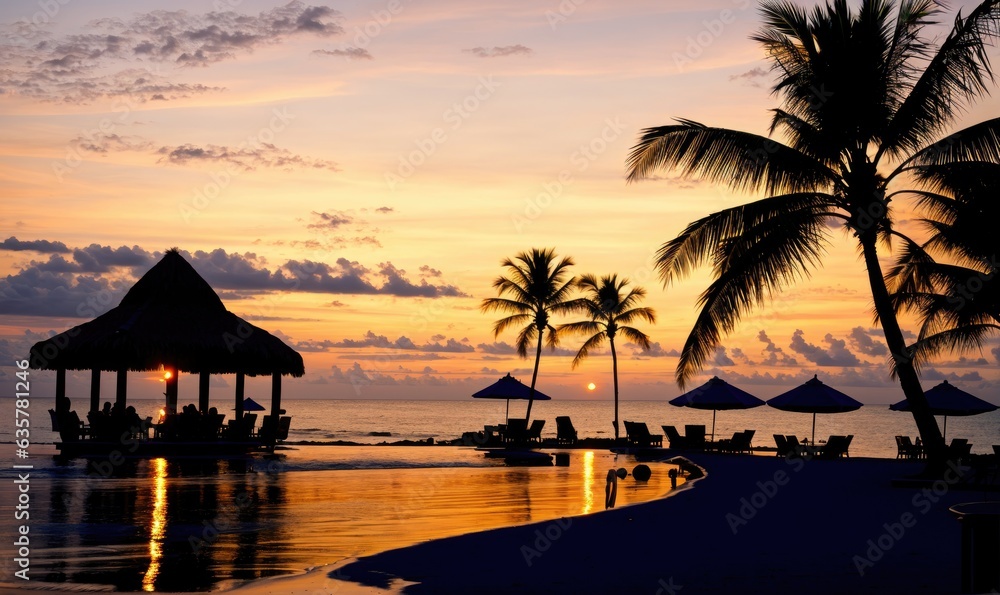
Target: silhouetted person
[(107, 408)]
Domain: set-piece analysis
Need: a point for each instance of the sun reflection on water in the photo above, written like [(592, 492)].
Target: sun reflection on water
[(158, 524), (588, 481)]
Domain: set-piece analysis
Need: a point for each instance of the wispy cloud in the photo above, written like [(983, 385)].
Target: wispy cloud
[(499, 51), (351, 53), (108, 60)]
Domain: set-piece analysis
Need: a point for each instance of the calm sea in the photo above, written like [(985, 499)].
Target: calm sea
[(873, 426)]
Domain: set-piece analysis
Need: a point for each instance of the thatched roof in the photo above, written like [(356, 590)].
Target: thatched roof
[(172, 317)]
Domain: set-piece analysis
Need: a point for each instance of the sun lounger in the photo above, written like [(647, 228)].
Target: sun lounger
[(516, 432), (959, 449), (694, 436), (905, 449), (565, 432), (535, 431), (284, 424), (836, 447), (675, 440), (638, 435), (783, 448)]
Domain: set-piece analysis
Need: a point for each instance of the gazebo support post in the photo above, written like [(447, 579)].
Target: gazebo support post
[(61, 391), (203, 392), (95, 390), (121, 388), (275, 406), (171, 393), (240, 388)]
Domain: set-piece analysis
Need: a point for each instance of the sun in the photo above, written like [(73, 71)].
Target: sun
[(591, 386)]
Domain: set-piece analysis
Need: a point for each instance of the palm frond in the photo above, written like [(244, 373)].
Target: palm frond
[(593, 342), (956, 75), (742, 161), (636, 336), (958, 340)]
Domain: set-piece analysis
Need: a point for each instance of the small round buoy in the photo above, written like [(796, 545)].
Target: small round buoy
[(622, 473), (641, 473)]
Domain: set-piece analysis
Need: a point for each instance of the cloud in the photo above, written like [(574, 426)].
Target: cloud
[(750, 78), (330, 220), (100, 63), (107, 143), (61, 286), (351, 53), (43, 246), (385, 210), (372, 340), (861, 339), (721, 359), (774, 355), (996, 353), (836, 354), (499, 51), (655, 350), (933, 374), (264, 155), (497, 348)]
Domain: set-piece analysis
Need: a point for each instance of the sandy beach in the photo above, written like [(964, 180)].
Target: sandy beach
[(751, 525)]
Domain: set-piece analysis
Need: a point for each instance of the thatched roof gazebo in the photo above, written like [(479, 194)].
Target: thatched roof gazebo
[(171, 320)]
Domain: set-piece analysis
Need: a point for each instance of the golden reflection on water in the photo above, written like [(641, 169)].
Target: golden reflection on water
[(158, 524), (588, 481)]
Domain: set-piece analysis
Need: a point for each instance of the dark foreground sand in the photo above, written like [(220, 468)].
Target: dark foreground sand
[(752, 525)]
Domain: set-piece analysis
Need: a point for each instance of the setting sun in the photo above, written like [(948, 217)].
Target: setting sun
[(591, 386)]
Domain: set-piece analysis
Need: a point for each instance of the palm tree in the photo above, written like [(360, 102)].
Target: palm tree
[(537, 287), (957, 296), (865, 100), (610, 313)]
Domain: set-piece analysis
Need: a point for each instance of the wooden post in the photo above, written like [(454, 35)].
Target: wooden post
[(240, 387), (171, 392), (61, 405), (275, 406), (95, 390), (121, 389), (203, 392)]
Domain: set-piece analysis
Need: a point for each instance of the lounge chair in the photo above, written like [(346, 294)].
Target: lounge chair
[(795, 449), (516, 432), (959, 449), (694, 435), (284, 424), (638, 435), (836, 447), (535, 431), (565, 432), (996, 449), (742, 442), (268, 428), (905, 449), (71, 428), (783, 448), (675, 440), (55, 420)]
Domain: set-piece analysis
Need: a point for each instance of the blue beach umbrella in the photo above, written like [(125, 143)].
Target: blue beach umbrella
[(509, 388), (251, 405), (947, 399), (814, 397), (717, 395)]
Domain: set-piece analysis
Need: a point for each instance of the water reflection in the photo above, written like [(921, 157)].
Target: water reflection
[(190, 525), (158, 524)]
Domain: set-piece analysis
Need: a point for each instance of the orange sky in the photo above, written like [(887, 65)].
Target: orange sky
[(396, 151)]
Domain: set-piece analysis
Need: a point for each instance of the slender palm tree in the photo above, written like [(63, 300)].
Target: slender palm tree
[(536, 286), (610, 311), (951, 281), (866, 103)]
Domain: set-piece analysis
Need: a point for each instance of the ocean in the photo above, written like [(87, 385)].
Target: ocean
[(368, 421)]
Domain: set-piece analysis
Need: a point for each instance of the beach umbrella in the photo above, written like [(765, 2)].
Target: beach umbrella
[(251, 405), (814, 397), (509, 388), (947, 399), (717, 395)]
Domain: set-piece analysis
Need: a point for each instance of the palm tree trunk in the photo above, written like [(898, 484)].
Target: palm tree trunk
[(614, 370), (908, 380), (534, 375)]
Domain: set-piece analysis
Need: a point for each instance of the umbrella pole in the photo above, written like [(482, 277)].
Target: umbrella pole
[(944, 434), (814, 429), (507, 415), (713, 425)]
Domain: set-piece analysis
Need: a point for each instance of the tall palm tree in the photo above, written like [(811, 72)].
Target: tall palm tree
[(866, 101), (536, 286), (951, 281), (610, 310)]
